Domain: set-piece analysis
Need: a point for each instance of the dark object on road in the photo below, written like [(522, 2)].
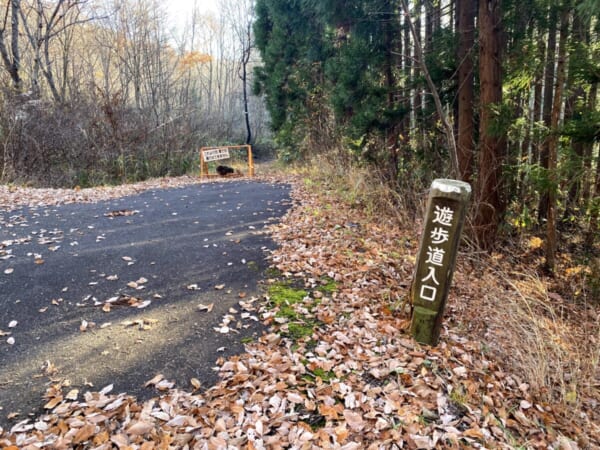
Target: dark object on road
[(225, 170)]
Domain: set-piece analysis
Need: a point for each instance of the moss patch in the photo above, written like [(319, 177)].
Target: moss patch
[(328, 286), (282, 294), (284, 297)]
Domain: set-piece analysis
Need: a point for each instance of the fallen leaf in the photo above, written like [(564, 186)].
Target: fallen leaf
[(106, 389), (219, 287), (84, 433), (354, 420), (196, 383), (9, 271), (164, 385), (154, 380), (12, 324), (207, 308), (140, 428), (72, 395), (53, 402)]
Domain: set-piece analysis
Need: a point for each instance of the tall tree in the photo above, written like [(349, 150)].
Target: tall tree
[(50, 20), (466, 12), (11, 56), (241, 16), (547, 102), (490, 204), (553, 141), (289, 36)]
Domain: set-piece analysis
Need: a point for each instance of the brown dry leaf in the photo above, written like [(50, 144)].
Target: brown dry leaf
[(121, 441), (474, 433), (164, 385), (220, 287), (154, 380), (39, 261), (329, 412), (53, 402), (72, 394), (207, 308), (84, 433), (195, 382), (140, 428), (354, 420), (106, 307), (523, 420)]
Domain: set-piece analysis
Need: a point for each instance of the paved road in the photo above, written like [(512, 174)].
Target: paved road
[(108, 293)]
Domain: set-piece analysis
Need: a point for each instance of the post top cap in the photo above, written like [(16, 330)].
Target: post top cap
[(451, 186)]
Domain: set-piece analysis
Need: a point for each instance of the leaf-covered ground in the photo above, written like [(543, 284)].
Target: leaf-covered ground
[(338, 369)]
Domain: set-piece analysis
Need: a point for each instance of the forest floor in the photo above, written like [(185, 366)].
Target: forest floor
[(516, 367)]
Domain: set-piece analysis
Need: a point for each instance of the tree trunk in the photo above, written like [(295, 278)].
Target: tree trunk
[(594, 227), (489, 201), (547, 107), (245, 94), (417, 106), (448, 130), (12, 58), (466, 35), (553, 142), (588, 150), (573, 108)]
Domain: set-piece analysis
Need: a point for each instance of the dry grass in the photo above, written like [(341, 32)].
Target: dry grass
[(554, 346), (363, 187)]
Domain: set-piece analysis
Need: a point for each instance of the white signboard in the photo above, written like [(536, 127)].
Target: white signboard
[(214, 154)]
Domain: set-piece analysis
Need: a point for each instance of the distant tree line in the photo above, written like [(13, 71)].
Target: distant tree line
[(500, 93), (105, 91)]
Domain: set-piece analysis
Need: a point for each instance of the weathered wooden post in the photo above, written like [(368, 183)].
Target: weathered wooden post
[(446, 210), (250, 161)]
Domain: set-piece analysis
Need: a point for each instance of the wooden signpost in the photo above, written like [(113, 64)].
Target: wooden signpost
[(446, 210), (211, 154)]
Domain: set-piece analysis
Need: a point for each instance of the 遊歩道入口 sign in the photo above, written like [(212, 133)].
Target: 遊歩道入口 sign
[(446, 209)]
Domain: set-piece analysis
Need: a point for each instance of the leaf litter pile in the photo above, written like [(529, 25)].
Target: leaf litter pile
[(337, 368)]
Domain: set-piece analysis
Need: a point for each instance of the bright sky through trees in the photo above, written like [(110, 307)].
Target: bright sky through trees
[(181, 10)]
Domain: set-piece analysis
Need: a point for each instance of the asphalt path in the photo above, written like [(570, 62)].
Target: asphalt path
[(119, 291)]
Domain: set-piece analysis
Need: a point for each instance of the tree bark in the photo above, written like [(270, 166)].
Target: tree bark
[(490, 204), (466, 35), (12, 57), (547, 106), (553, 142), (573, 110)]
